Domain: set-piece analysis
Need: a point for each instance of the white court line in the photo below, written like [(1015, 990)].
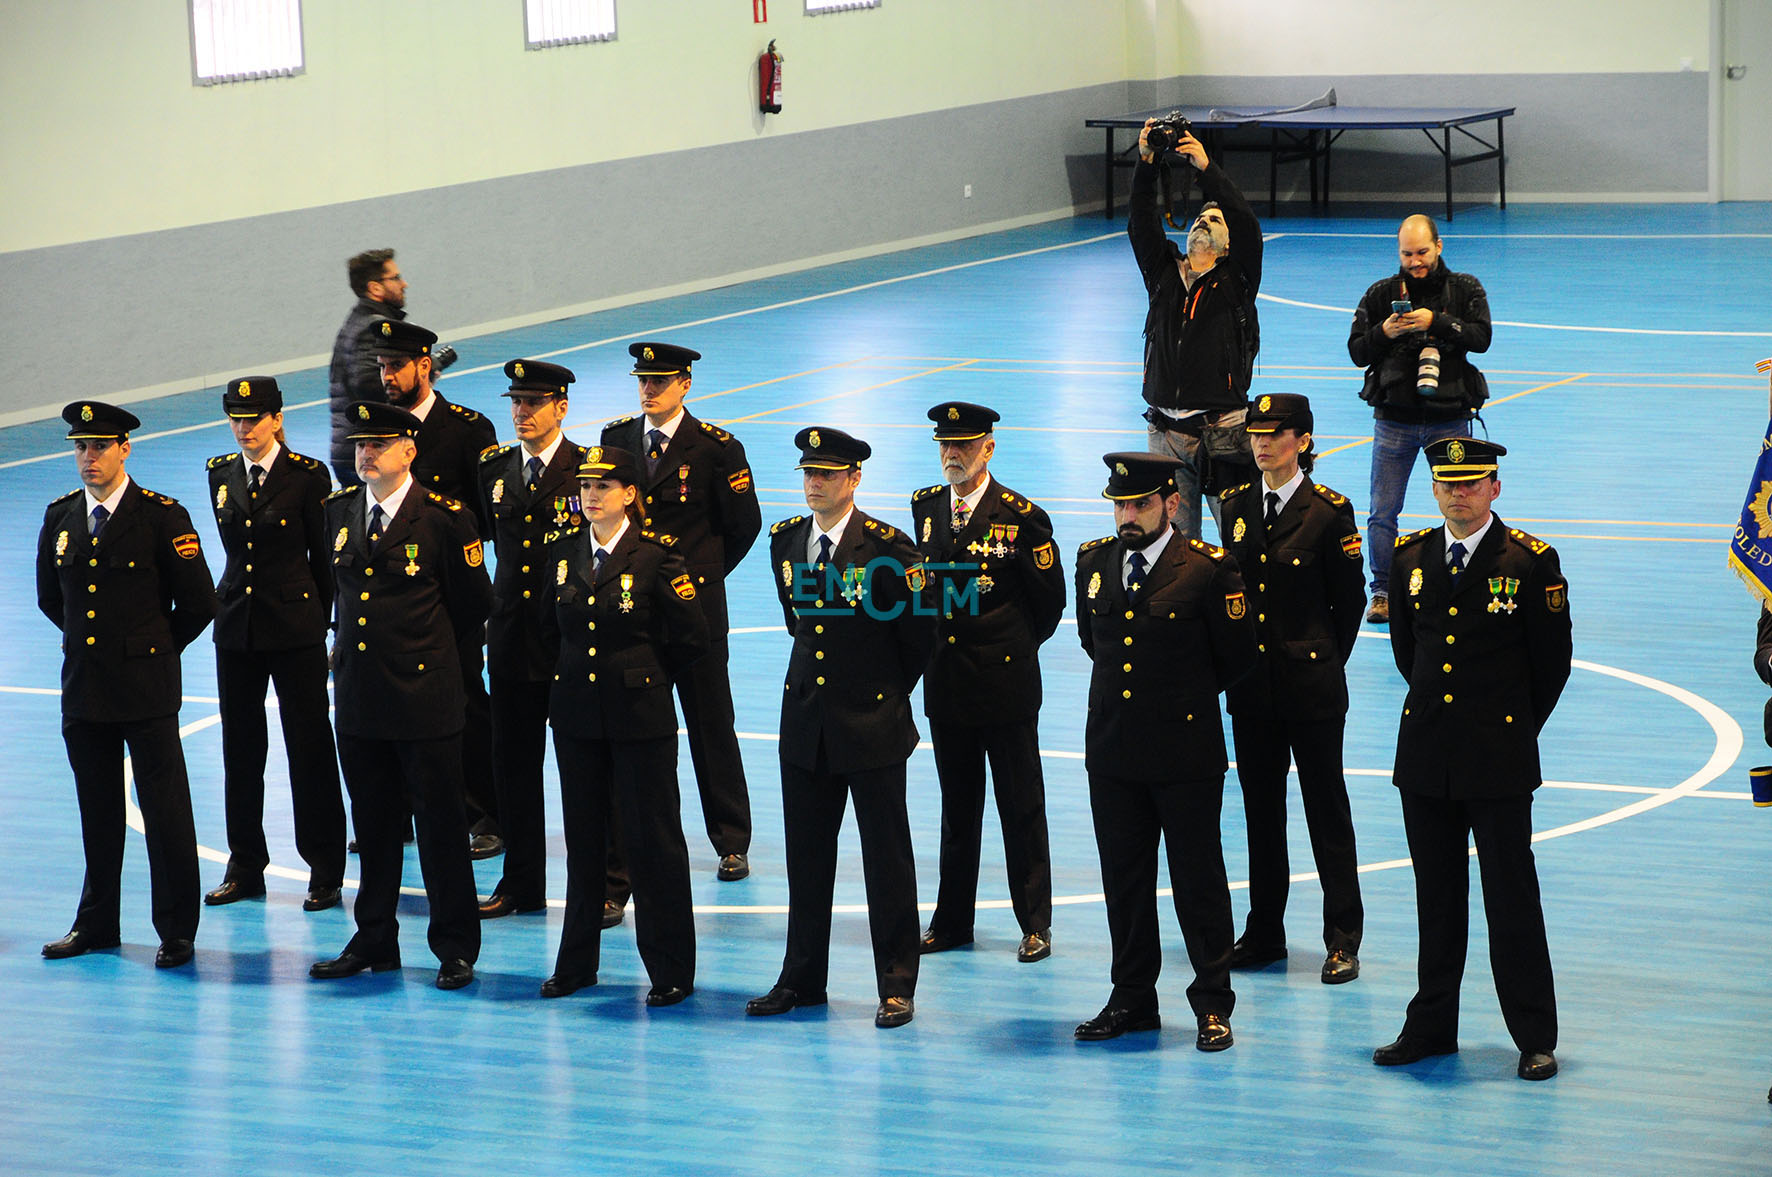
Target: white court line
[(1317, 306)]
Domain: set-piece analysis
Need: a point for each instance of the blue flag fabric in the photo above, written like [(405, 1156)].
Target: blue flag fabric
[(1750, 552)]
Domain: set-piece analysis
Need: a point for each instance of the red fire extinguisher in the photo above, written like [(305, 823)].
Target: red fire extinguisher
[(769, 81)]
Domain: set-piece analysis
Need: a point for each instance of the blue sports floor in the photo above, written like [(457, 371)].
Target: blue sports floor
[(1623, 384)]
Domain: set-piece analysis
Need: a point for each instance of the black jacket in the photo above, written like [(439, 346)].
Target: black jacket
[(1485, 661), (701, 495), (1161, 662), (522, 586), (862, 634), (450, 443), (622, 638), (127, 603), (355, 375), (1460, 327), (1004, 598), (1306, 585), (276, 591), (402, 610), (1193, 353)]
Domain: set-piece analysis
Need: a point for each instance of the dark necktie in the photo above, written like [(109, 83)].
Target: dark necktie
[(1135, 578), (961, 513), (1273, 509), (376, 520), (532, 471), (99, 515), (597, 564), (655, 442), (1455, 560), (255, 478), (824, 549)]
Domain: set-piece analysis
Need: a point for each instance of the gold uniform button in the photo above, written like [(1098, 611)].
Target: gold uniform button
[(1127, 668), (91, 641), (951, 639), (1261, 649), (1448, 698), (362, 621), (529, 518), (1190, 719), (1295, 560), (92, 588), (90, 614), (1509, 718), (818, 654), (1405, 711), (1452, 612), (821, 680), (525, 543), (592, 678), (1313, 655), (1447, 668), (1125, 694), (1261, 617), (362, 646), (1264, 557), (249, 568), (1128, 640), (1451, 639), (879, 698), (1128, 615), (1261, 588), (369, 572), (593, 625), (249, 590), (93, 563), (249, 545), (526, 568), (1007, 657), (593, 651), (249, 523), (525, 594), (365, 596), (820, 629)]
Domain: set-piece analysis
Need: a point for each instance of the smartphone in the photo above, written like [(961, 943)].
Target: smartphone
[(1401, 306)]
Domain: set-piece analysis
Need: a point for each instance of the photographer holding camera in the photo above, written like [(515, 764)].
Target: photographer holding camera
[(1413, 333), (1201, 333)]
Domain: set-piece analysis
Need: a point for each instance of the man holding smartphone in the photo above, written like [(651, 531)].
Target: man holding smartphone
[(1413, 332)]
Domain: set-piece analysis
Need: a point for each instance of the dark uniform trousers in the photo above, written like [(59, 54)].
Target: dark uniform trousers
[(1308, 597), (519, 712), (127, 603), (982, 693), (1486, 657), (846, 730), (273, 602), (1155, 755)]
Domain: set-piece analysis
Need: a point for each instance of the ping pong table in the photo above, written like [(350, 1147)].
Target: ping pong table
[(1308, 135)]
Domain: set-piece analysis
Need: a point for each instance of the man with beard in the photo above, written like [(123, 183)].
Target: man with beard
[(999, 591), (1201, 333), (381, 293), (1413, 332), (451, 438), (1166, 621)]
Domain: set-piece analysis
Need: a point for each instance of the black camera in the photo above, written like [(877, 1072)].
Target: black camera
[(1167, 131), (441, 357)]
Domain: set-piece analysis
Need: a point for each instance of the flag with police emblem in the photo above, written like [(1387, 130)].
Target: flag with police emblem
[(1750, 551)]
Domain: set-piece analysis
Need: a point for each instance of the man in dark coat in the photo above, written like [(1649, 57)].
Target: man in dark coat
[(851, 591), (355, 376), (1301, 548), (121, 573), (1165, 620), (1482, 635), (998, 586), (411, 582)]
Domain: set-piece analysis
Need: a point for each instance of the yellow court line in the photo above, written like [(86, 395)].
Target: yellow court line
[(780, 379), (1529, 391), (850, 392)]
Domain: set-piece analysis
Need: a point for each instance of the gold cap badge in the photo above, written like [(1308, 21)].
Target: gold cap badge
[(646, 354), (594, 454), (1455, 451), (86, 412), (245, 388), (1120, 469), (518, 369), (812, 439), (387, 328), (362, 412), (953, 413), (1265, 403)]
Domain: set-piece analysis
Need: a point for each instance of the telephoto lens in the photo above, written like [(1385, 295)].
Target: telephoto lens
[(442, 356), (1427, 376)]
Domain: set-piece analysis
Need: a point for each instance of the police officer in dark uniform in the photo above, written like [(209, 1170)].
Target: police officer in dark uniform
[(451, 440), (121, 573), (1166, 621), (528, 490), (1480, 629), (998, 585), (411, 582), (851, 590), (624, 621), (1300, 547), (274, 605), (697, 488)]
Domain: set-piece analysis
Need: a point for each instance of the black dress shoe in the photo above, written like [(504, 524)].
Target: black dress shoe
[(453, 974), (894, 1011), (1035, 946), (566, 984), (1112, 1022), (1245, 955), (1541, 1064), (733, 867), (502, 905), (1215, 1034), (174, 953), (78, 943), (613, 914), (934, 941), (1340, 967), (351, 846), (667, 994), (485, 846), (1410, 1049), (321, 898), (234, 890), (780, 1000), (349, 964)]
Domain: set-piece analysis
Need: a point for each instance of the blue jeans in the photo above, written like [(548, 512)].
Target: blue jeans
[(1227, 447), (1394, 446)]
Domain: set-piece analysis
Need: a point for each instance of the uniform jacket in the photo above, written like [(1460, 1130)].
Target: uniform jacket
[(1161, 662), (1460, 327), (621, 639), (862, 635), (402, 608), (1306, 586), (1485, 661), (522, 585), (1192, 357), (276, 591), (355, 374), (702, 496), (127, 604), (450, 443), (986, 667)]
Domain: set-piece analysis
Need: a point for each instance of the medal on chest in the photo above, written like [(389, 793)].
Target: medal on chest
[(575, 510), (1415, 582), (626, 605), (498, 491), (411, 568), (985, 584), (682, 484), (854, 587), (1500, 587), (561, 514), (1094, 585)]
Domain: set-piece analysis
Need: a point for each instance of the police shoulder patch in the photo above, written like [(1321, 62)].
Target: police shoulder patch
[(344, 492), (784, 524), (496, 451), (222, 460), (1531, 542), (563, 533), (1227, 495), (1404, 541), (883, 530), (306, 462), (470, 414), (1206, 549), (1335, 498), (660, 538), (926, 492), (618, 423), (443, 501), (715, 432), (1095, 543), (187, 545), (1020, 505), (154, 496)]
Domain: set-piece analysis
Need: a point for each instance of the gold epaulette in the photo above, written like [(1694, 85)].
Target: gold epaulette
[(566, 533), (618, 423), (496, 451), (1206, 549), (1224, 496), (154, 496), (715, 432), (443, 500), (1336, 498), (659, 538), (470, 414), (1537, 546), (64, 498), (784, 523), (1404, 541), (883, 530), (304, 460), (1095, 543), (1020, 505), (221, 460), (342, 491), (920, 495)]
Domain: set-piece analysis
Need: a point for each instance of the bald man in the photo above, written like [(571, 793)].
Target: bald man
[(1414, 333)]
